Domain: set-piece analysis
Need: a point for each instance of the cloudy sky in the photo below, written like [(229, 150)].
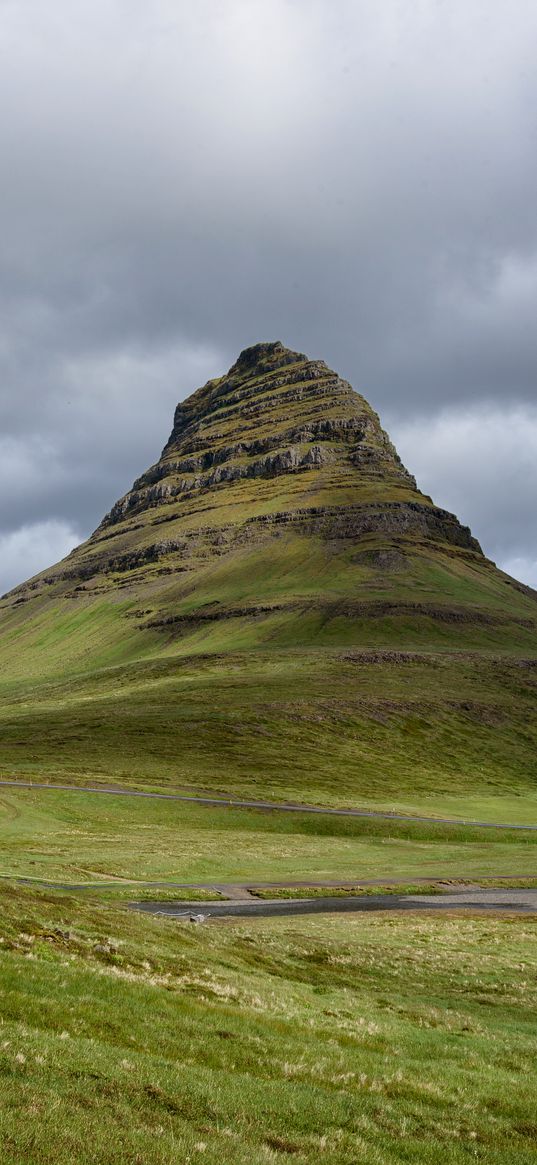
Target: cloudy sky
[(357, 178)]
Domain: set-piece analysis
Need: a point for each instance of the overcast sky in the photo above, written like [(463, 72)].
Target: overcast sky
[(180, 179)]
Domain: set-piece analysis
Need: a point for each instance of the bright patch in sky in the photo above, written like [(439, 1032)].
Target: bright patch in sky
[(32, 548)]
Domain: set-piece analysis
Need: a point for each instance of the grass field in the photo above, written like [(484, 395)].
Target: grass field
[(79, 837), (372, 1039)]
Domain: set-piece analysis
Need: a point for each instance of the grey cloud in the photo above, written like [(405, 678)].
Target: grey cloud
[(181, 180), (97, 422), (482, 464), (523, 568), (26, 551)]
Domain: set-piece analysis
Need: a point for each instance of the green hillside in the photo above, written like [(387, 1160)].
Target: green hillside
[(276, 607)]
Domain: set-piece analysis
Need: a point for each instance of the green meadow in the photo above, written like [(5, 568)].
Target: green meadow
[(90, 838)]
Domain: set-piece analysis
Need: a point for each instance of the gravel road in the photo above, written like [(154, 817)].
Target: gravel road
[(516, 900)]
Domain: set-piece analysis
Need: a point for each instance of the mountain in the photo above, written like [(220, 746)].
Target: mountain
[(275, 605)]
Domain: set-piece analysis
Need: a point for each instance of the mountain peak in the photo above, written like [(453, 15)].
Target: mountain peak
[(265, 355), (275, 413), (275, 601), (279, 445)]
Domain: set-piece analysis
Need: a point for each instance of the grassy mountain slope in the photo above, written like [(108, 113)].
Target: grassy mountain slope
[(276, 606)]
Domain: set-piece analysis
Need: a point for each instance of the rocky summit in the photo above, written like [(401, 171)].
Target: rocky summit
[(299, 602), (280, 446)]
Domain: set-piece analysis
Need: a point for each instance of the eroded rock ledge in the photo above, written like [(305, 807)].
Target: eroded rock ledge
[(397, 520)]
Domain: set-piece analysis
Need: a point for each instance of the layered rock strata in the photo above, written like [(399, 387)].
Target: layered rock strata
[(279, 445)]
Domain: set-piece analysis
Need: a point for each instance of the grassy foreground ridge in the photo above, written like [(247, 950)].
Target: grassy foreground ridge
[(370, 1039)]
